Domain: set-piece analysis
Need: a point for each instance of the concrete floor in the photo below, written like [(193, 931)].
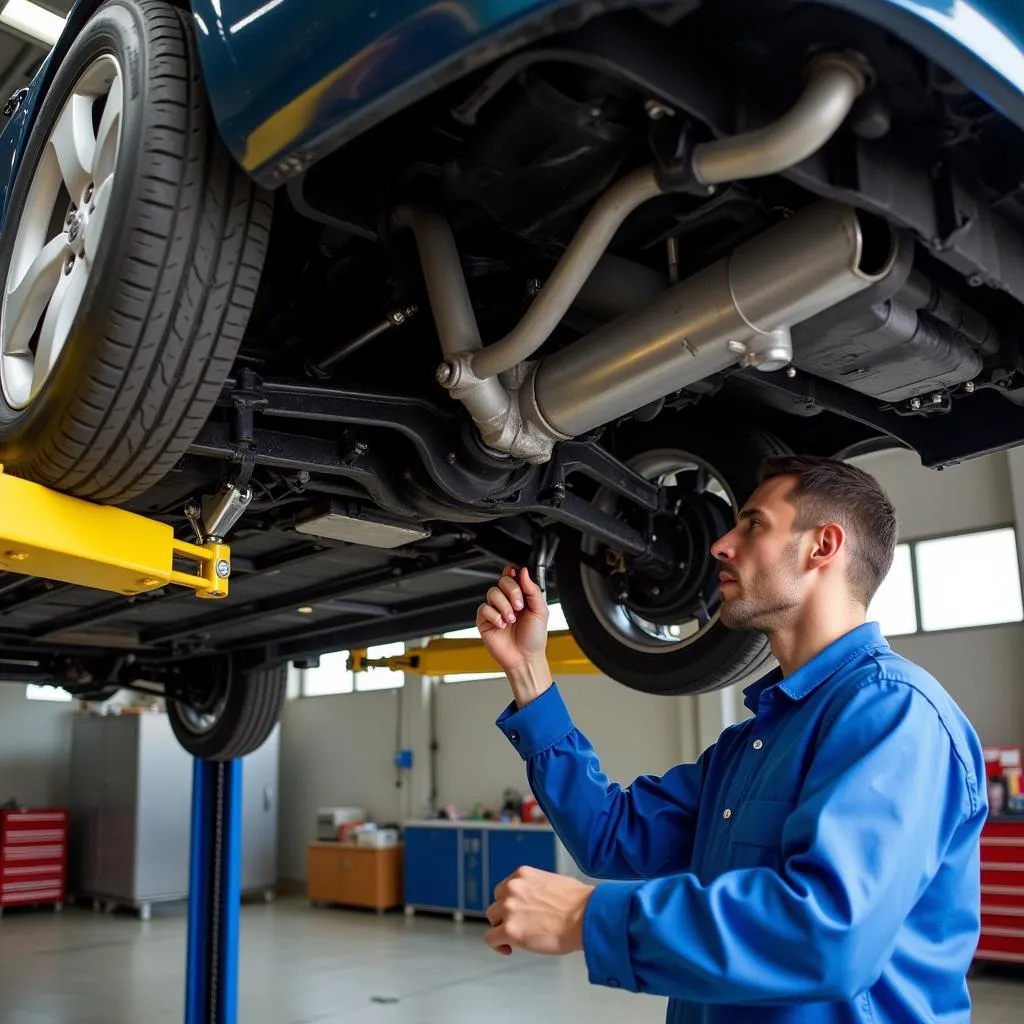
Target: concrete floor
[(301, 966)]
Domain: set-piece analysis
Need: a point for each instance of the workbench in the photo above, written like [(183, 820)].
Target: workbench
[(454, 866)]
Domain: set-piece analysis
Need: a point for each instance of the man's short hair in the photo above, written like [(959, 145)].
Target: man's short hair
[(830, 491)]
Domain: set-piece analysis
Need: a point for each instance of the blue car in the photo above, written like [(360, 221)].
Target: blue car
[(391, 295)]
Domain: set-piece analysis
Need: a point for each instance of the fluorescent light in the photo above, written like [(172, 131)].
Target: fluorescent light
[(33, 21)]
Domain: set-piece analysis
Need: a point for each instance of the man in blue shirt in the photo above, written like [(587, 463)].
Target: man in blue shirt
[(820, 862)]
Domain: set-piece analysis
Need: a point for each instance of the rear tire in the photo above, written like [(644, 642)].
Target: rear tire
[(716, 657), (167, 279), (238, 711)]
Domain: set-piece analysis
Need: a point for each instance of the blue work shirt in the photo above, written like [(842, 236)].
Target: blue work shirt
[(820, 862)]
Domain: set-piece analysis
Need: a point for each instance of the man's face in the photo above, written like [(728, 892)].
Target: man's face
[(761, 580)]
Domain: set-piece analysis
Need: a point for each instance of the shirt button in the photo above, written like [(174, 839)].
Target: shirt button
[(758, 744), (727, 813), (514, 736)]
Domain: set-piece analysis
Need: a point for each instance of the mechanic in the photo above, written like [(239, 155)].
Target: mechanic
[(820, 861)]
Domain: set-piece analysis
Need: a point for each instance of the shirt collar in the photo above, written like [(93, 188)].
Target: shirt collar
[(806, 679)]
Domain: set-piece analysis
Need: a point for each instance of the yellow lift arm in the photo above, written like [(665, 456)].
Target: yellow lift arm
[(470, 657), (57, 537)]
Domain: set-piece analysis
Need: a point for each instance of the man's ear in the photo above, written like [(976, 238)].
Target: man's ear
[(829, 540)]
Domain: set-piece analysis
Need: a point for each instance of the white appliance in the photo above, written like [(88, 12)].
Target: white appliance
[(329, 818)]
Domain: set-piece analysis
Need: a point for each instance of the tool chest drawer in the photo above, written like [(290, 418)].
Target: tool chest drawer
[(33, 856), (1002, 891)]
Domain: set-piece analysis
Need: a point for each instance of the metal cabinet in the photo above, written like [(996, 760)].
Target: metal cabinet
[(455, 866), (130, 801)]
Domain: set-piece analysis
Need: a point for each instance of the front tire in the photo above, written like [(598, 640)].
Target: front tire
[(626, 635), (131, 254)]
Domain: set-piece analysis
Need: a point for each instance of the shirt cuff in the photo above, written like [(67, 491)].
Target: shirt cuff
[(606, 936), (539, 726)]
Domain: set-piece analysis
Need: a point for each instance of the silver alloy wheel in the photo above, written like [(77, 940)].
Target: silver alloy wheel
[(201, 722), (618, 619), (56, 244)]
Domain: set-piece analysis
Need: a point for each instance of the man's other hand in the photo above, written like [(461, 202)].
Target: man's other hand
[(539, 912)]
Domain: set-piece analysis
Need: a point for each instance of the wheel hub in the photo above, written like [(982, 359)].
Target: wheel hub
[(681, 585), (76, 233)]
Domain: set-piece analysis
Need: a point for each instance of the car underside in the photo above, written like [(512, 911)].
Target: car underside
[(556, 313)]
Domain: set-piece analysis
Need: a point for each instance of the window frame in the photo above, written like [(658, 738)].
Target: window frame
[(923, 538)]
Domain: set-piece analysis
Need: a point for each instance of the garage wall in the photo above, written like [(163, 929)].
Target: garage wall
[(983, 669), (35, 745), (335, 752), (632, 733)]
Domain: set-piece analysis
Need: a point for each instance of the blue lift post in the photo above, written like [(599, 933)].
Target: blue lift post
[(215, 893)]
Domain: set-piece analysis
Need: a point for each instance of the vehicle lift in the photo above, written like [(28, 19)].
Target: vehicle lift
[(58, 537)]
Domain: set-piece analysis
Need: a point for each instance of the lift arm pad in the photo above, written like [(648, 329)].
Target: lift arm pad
[(56, 537)]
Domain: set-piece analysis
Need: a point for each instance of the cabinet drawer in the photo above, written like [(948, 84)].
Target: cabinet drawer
[(354, 876), (432, 868)]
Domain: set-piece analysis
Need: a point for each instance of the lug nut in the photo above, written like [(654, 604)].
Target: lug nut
[(969, 387), (915, 404), (69, 265), (790, 372), (89, 192), (656, 110)]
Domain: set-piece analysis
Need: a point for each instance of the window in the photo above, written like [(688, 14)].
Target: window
[(957, 582), (37, 691), (381, 678), (334, 676), (970, 580), (893, 607), (556, 622)]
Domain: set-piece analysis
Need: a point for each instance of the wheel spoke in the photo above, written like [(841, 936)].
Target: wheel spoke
[(97, 218), (108, 135), (28, 299), (74, 143), (58, 322)]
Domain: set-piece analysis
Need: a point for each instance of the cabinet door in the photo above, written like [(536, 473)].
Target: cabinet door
[(474, 897), (432, 867), (509, 849)]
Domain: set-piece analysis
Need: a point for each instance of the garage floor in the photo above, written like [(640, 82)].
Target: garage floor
[(320, 967)]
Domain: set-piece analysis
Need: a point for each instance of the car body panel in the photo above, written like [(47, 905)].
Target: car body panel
[(356, 61), (283, 97)]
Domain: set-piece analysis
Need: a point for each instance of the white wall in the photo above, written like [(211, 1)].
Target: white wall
[(980, 668), (633, 734), (337, 750), (971, 496), (35, 744)]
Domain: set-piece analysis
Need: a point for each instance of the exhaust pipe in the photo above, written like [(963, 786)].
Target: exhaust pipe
[(738, 311)]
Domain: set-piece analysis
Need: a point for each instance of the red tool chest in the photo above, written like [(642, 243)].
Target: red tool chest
[(1002, 891), (33, 857)]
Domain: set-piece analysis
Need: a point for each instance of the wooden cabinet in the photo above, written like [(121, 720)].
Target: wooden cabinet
[(355, 876), (1002, 891)]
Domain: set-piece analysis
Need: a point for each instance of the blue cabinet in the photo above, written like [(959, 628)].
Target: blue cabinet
[(455, 866), (432, 868), (512, 849), (475, 899)]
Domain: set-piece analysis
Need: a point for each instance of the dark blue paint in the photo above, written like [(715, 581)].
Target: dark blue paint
[(380, 54), (203, 902), (373, 57)]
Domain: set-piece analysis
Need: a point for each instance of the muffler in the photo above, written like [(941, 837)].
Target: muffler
[(738, 311)]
